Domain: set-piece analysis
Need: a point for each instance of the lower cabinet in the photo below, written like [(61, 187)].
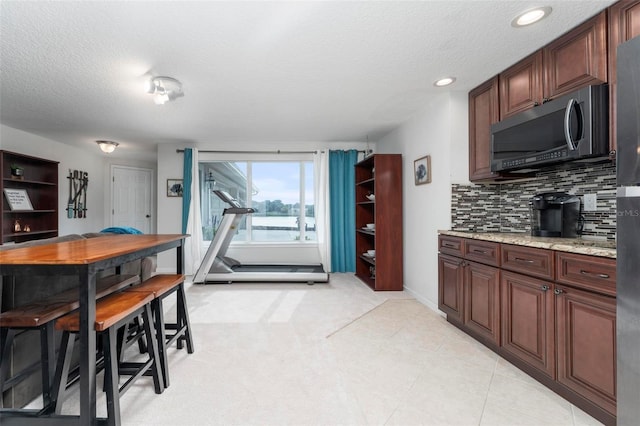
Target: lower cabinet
[(586, 345), (553, 314), (528, 326), (450, 286), (482, 301)]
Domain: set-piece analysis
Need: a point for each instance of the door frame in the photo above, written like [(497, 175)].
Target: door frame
[(152, 198)]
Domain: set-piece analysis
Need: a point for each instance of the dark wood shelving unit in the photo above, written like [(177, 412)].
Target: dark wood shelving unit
[(381, 175), (40, 181)]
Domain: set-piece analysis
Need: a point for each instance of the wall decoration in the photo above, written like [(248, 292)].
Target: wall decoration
[(77, 202), (422, 170), (174, 188), (18, 199)]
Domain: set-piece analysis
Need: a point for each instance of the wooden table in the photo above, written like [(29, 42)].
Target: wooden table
[(84, 258)]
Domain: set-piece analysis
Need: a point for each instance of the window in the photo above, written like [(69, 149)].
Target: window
[(281, 192)]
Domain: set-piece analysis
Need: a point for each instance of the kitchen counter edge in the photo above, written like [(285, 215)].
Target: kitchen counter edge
[(577, 245)]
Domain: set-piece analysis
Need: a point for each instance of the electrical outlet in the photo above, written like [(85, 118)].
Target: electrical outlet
[(590, 202)]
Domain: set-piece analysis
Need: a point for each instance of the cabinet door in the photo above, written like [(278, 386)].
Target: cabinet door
[(577, 59), (483, 112), (482, 301), (527, 318), (587, 345), (450, 279), (624, 24), (521, 86)]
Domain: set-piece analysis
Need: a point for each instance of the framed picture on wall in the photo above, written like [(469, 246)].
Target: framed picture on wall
[(174, 188), (422, 170)]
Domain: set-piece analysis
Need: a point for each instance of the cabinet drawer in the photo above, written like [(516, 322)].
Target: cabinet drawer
[(482, 251), (450, 245), (527, 260), (588, 272)]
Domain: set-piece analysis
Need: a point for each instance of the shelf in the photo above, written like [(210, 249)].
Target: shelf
[(366, 202), (30, 182), (366, 181), (369, 260), (28, 211), (22, 234), (364, 231)]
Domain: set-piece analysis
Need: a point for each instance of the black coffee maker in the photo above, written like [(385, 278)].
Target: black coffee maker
[(555, 214)]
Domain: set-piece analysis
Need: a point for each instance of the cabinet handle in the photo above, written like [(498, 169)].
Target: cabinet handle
[(558, 291), (545, 100), (448, 245), (536, 103), (479, 251), (518, 259), (544, 288), (593, 274)]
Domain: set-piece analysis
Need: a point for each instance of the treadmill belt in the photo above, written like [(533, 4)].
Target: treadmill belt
[(279, 268)]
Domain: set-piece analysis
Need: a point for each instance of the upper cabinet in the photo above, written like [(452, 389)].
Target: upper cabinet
[(483, 112), (624, 24), (575, 60)]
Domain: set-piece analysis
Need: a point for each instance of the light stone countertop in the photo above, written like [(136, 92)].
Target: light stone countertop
[(570, 245)]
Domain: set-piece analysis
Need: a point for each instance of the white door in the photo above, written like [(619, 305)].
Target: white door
[(131, 190)]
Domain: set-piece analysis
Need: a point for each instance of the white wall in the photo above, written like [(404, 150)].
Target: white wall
[(97, 165), (170, 208), (441, 131)]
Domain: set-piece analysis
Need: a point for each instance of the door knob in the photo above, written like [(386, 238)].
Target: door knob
[(148, 216)]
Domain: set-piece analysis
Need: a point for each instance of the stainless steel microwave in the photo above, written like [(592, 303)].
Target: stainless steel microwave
[(571, 127)]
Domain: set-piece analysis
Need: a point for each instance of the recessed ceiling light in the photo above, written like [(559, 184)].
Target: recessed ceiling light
[(530, 16), (444, 81)]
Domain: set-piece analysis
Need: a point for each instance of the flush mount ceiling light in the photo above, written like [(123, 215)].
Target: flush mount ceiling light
[(444, 81), (107, 146), (530, 16), (164, 89)]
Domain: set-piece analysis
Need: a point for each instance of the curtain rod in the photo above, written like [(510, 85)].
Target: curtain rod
[(259, 152)]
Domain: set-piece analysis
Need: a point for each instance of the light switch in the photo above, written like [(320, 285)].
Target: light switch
[(590, 202)]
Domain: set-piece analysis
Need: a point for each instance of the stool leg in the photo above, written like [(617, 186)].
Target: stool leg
[(6, 340), (158, 312), (152, 349), (62, 370), (183, 319), (47, 360), (111, 377)]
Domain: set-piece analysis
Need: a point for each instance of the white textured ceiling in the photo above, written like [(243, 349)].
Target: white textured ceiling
[(252, 71)]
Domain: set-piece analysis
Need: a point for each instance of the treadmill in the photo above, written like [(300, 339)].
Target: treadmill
[(217, 268)]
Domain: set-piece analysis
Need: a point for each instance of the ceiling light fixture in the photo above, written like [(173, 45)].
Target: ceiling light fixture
[(444, 81), (530, 16), (164, 89), (107, 146)]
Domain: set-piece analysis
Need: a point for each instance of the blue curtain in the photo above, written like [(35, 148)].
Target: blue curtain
[(186, 187), (342, 210)]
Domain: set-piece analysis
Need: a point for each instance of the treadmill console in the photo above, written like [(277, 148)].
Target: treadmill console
[(227, 198)]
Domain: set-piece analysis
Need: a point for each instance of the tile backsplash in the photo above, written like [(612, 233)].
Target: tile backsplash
[(505, 207)]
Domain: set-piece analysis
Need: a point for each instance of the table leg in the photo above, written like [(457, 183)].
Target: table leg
[(88, 348)]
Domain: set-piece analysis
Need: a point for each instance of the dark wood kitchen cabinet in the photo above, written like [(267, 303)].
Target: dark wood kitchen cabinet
[(468, 290), (550, 313), (40, 181), (379, 175), (586, 344), (528, 321), (624, 24), (574, 60), (482, 301), (521, 86), (450, 287), (483, 112)]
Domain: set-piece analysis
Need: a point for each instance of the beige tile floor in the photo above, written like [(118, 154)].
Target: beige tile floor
[(333, 354)]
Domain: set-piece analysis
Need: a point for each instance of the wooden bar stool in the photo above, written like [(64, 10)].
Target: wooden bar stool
[(112, 312), (40, 316), (162, 286)]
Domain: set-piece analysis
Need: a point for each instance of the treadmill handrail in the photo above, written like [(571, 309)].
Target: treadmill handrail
[(238, 210)]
